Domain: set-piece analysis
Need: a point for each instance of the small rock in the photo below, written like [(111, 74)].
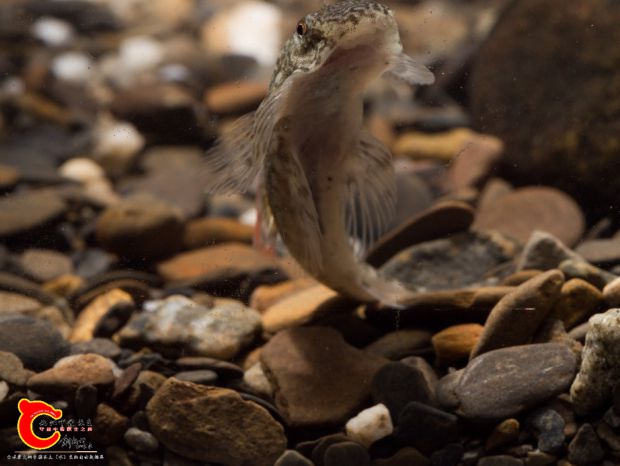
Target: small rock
[(444, 146), (450, 455), (577, 302), (89, 319), (607, 434), (543, 251), (140, 440), (370, 425), (525, 210), (201, 377), (500, 460), (293, 458), (504, 435), (64, 286), (400, 343), (9, 177), (396, 385), (71, 372), (349, 453), (209, 231), (600, 251), (538, 458), (600, 367), (73, 67), (12, 370), (585, 448), (117, 143), (611, 293), (86, 400), (112, 424), (405, 457), (42, 265), (299, 360), (257, 381), (34, 341), (454, 344), (487, 391), (139, 53), (140, 229), (587, 272), (214, 424), (516, 317), (22, 212), (520, 277), (4, 390), (265, 296), (238, 97), (426, 428), (14, 303), (548, 428), (177, 325)]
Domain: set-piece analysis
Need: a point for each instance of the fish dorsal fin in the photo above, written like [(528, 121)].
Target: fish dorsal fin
[(404, 68), (237, 159), (371, 189)]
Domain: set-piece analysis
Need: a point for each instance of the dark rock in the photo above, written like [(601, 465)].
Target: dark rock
[(34, 341), (222, 368), (426, 428), (500, 460), (405, 457), (319, 447), (140, 440), (502, 383), (86, 400), (400, 343), (112, 424), (586, 447), (504, 434), (293, 458), (548, 427), (450, 455), (349, 453), (543, 251)]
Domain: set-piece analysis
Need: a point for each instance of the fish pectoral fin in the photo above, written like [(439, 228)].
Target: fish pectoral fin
[(230, 165), (371, 199), (404, 68)]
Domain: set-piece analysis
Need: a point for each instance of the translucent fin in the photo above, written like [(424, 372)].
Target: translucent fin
[(266, 233), (404, 68), (371, 199), (230, 163), (386, 290)]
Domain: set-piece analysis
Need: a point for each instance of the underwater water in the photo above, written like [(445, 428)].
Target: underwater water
[(256, 233)]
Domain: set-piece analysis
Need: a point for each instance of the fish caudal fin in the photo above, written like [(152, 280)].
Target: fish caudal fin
[(386, 290)]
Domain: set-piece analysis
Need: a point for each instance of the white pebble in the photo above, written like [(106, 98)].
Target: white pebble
[(257, 381), (117, 144), (370, 425), (249, 217), (52, 31), (72, 66), (81, 169), (140, 53), (174, 72)]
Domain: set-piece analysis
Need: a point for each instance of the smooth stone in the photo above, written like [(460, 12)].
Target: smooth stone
[(4, 390), (71, 372), (370, 425), (209, 231), (318, 447), (86, 400), (26, 211), (608, 436), (293, 458), (265, 296), (64, 286), (499, 460), (12, 370), (125, 379), (505, 434), (112, 424), (214, 424), (578, 301), (526, 210), (257, 382), (543, 251), (201, 377), (9, 177), (92, 315), (520, 277), (454, 344), (179, 326), (140, 440), (405, 457), (140, 229), (221, 262), (548, 428), (441, 220), (538, 458), (396, 385), (222, 368), (34, 341), (600, 366), (611, 293), (505, 382), (450, 455), (400, 343), (458, 261), (604, 251), (349, 453), (585, 448), (492, 191), (14, 303), (426, 428), (235, 97), (516, 317), (43, 265), (299, 360), (587, 272), (101, 346), (445, 146)]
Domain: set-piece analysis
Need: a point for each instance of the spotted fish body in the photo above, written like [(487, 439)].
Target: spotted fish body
[(322, 177)]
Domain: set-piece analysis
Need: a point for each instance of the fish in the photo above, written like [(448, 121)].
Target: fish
[(321, 178)]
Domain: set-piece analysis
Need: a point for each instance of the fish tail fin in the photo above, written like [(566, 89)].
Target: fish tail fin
[(388, 291)]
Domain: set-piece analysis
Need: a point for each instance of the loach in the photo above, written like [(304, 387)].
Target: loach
[(322, 178)]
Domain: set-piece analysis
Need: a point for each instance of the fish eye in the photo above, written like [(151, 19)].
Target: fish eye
[(302, 28)]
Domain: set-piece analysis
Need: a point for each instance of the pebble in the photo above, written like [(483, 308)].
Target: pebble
[(400, 343), (396, 384), (112, 424), (454, 344), (516, 317), (445, 146), (140, 440), (12, 370), (505, 434), (486, 391), (214, 425), (42, 265), (577, 302), (293, 458), (370, 425), (71, 372), (34, 341), (90, 317), (611, 293), (52, 31), (117, 143), (140, 229), (74, 67), (4, 390), (23, 212), (298, 360), (603, 251), (405, 457), (349, 453), (543, 251), (257, 381), (13, 303), (450, 455), (587, 272), (201, 377), (426, 428), (585, 448), (265, 296), (526, 210), (500, 460), (458, 261), (138, 54), (177, 325), (599, 371), (209, 231), (236, 97), (548, 428)]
